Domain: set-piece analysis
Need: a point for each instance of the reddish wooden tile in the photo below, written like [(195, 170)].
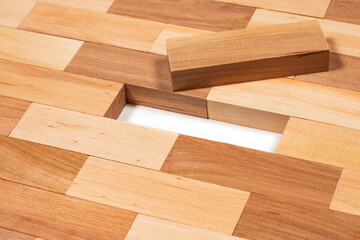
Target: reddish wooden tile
[(344, 11)]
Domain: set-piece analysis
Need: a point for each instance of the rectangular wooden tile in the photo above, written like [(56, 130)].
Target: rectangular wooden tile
[(342, 38), (12, 235), (320, 142), (38, 165), (55, 216), (287, 179), (150, 228), (245, 55), (60, 89), (265, 218), (347, 194), (92, 26), (37, 49), (201, 14), (161, 195), (344, 11), (284, 97), (13, 12), (93, 135), (94, 5)]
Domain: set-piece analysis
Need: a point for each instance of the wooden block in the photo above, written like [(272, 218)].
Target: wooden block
[(94, 5), (347, 194), (55, 216), (342, 38), (92, 135), (161, 195), (246, 55), (13, 12), (344, 11), (285, 98), (36, 49), (266, 218), (11, 110), (12, 235), (320, 142), (201, 14), (287, 179), (92, 26), (37, 165), (150, 228), (60, 89)]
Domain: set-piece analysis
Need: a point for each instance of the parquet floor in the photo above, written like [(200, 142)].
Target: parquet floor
[(69, 170)]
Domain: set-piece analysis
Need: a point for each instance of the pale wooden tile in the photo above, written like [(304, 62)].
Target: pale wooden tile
[(12, 12), (94, 5)]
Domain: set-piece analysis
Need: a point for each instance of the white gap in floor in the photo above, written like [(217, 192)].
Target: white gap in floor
[(201, 127)]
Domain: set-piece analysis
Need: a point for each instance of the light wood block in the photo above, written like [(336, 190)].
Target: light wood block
[(342, 38), (150, 228), (161, 195), (93, 135), (92, 26), (13, 12), (37, 49), (12, 235), (247, 103), (94, 5), (320, 142), (347, 194), (246, 55)]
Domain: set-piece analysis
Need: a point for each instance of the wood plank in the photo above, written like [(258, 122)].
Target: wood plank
[(146, 76), (60, 89), (37, 165), (13, 12), (201, 14), (12, 235), (287, 98), (150, 228), (303, 7), (343, 38), (347, 194), (265, 218), (55, 216), (287, 179), (95, 136), (161, 195), (92, 26), (94, 5), (245, 55), (320, 142), (344, 11), (11, 110), (37, 49)]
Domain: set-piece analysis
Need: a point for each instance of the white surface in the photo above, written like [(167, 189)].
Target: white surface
[(200, 127)]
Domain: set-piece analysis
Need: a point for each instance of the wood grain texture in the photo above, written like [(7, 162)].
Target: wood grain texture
[(95, 136), (342, 38), (320, 142), (12, 235), (37, 165), (286, 97), (11, 110), (146, 75), (265, 218), (287, 179), (37, 49), (201, 14), (94, 5), (347, 194), (55, 216), (13, 12), (92, 26), (60, 89), (245, 55), (161, 195), (150, 228), (344, 11), (117, 105), (302, 7)]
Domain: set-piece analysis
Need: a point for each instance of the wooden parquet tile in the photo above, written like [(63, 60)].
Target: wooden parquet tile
[(344, 11)]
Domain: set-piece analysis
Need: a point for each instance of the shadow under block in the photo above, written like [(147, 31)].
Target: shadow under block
[(201, 14), (94, 5), (344, 11), (250, 103), (92, 26), (245, 55), (264, 218), (93, 135), (321, 142), (158, 194), (13, 12), (60, 89), (55, 216), (38, 165), (287, 179)]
